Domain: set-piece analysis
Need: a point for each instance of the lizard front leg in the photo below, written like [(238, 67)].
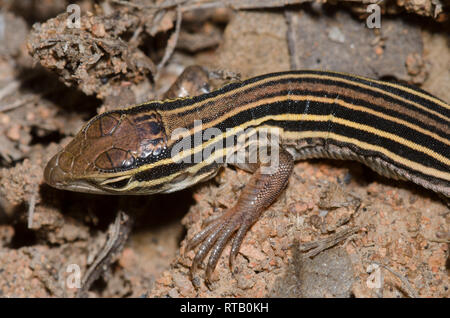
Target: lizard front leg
[(261, 191)]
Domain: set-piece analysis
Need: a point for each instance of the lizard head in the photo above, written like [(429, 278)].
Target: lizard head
[(107, 152)]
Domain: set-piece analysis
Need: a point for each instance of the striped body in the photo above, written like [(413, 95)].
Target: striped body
[(397, 130)]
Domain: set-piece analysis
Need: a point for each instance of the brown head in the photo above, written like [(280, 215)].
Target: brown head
[(107, 148)]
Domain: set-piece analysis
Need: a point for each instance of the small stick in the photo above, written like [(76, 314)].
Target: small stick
[(165, 5), (117, 236), (16, 104), (321, 245), (291, 20), (411, 292), (31, 207), (172, 43), (9, 89)]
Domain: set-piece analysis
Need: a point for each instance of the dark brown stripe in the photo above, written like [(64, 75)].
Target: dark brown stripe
[(213, 110)]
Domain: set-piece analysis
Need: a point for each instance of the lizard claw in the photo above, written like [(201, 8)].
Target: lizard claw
[(257, 195), (216, 235)]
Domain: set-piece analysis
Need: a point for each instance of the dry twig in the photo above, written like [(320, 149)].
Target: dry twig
[(409, 289), (171, 44), (117, 236), (316, 247)]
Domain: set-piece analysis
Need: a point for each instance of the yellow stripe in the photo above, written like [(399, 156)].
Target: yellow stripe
[(301, 117), (149, 184), (314, 134), (366, 146), (394, 119), (393, 137), (320, 100), (220, 153), (405, 89), (107, 181), (299, 76)]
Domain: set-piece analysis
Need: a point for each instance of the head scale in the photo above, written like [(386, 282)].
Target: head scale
[(102, 155)]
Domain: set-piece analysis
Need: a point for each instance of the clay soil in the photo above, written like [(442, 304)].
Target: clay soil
[(362, 227)]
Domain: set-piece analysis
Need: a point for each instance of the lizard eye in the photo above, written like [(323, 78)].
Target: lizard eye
[(114, 159)]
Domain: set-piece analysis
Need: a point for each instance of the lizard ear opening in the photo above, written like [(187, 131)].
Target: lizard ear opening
[(152, 135)]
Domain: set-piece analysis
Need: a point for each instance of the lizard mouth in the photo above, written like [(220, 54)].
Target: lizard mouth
[(60, 179)]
